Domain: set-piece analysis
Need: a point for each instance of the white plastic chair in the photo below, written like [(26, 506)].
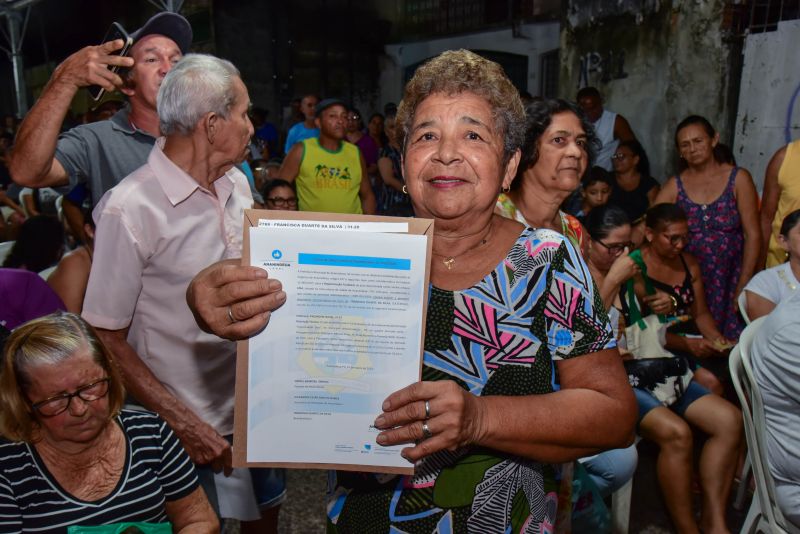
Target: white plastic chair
[(764, 514), (25, 192), (5, 250), (621, 507), (742, 301), (59, 208), (621, 504), (741, 491), (45, 274)]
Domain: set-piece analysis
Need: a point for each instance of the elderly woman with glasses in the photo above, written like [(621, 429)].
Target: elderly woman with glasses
[(280, 195), (69, 456)]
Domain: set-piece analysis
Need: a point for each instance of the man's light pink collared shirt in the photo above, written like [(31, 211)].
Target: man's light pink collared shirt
[(155, 231)]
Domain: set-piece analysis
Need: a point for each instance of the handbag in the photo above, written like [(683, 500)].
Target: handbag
[(654, 369)]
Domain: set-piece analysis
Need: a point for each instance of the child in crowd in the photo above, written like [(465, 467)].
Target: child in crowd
[(595, 190)]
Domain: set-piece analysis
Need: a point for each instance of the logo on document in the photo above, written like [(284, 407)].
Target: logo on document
[(367, 446), (277, 254)]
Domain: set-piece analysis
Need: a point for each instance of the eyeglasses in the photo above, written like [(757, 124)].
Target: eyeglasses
[(280, 201), (619, 155), (60, 403), (616, 248)]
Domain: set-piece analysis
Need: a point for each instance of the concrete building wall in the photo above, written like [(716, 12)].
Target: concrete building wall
[(769, 100), (533, 41), (286, 50), (655, 62)]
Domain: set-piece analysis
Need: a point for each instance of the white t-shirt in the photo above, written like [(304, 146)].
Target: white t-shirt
[(47, 199), (604, 128), (774, 284), (775, 358)]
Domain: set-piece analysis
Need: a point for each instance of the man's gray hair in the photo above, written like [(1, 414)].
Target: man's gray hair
[(196, 85)]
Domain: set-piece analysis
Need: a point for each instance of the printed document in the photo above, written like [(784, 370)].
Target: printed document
[(349, 334)]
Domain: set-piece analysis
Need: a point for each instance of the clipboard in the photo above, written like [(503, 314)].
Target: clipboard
[(251, 219)]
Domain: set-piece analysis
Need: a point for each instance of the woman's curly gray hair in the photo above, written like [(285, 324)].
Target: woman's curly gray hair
[(461, 71)]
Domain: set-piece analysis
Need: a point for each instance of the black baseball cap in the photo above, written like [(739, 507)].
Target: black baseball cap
[(325, 104), (168, 24)]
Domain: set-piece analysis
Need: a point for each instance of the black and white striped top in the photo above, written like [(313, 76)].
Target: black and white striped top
[(156, 469)]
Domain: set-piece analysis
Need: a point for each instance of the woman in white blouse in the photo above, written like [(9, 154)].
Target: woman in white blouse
[(767, 288)]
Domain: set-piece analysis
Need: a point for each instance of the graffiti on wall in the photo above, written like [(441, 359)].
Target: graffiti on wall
[(601, 68)]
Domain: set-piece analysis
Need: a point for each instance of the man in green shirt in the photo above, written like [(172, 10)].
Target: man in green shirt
[(330, 173)]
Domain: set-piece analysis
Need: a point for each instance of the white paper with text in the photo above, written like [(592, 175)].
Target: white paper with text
[(348, 335)]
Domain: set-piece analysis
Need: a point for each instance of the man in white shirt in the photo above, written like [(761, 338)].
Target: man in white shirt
[(610, 127)]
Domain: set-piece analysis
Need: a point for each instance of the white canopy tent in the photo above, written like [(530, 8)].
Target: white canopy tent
[(17, 13)]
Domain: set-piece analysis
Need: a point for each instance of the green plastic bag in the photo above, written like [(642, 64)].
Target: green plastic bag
[(589, 512), (123, 528)]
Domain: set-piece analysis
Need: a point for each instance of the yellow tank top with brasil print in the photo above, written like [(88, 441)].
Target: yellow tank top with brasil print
[(329, 180), (789, 200)]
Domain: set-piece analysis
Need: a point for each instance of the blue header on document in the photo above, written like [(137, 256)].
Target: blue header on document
[(365, 262)]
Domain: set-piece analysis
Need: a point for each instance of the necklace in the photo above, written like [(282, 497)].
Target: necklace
[(449, 261)]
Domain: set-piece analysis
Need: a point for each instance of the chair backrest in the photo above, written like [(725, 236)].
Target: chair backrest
[(755, 433), (60, 213), (45, 274), (26, 192), (5, 250), (742, 301)]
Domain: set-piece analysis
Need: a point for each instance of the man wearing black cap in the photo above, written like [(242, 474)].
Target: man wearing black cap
[(330, 173), (102, 153)]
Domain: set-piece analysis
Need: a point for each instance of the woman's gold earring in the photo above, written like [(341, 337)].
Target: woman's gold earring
[(405, 190), (505, 190)]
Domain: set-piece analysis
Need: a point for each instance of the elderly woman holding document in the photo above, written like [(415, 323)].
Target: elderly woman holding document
[(508, 305)]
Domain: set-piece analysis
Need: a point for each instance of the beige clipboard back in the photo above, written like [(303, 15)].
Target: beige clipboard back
[(251, 218)]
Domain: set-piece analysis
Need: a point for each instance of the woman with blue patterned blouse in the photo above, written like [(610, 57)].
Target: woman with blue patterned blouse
[(509, 308)]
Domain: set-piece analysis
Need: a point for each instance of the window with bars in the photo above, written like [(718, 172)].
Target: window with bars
[(766, 14), (548, 69), (443, 17)]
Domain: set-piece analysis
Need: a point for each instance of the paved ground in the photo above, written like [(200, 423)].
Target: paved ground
[(304, 510), (648, 514)]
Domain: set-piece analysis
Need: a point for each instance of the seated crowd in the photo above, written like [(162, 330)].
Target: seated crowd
[(560, 193)]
